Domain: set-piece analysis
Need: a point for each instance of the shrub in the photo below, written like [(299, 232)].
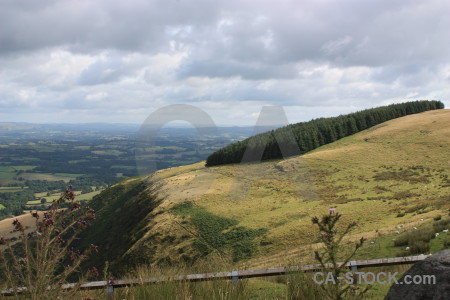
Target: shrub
[(45, 258), (418, 241), (441, 225), (419, 247), (334, 251)]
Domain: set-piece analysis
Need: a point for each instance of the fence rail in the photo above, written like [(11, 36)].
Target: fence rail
[(233, 275)]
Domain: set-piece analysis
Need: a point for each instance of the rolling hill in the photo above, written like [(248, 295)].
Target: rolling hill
[(391, 177)]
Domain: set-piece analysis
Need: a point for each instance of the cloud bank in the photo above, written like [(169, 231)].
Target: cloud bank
[(116, 61)]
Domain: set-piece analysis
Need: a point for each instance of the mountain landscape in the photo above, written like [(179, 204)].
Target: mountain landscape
[(391, 179)]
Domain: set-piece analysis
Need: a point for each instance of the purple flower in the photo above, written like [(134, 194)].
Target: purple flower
[(75, 205), (94, 248), (94, 271), (48, 221)]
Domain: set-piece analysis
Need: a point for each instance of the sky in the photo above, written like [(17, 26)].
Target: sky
[(64, 61)]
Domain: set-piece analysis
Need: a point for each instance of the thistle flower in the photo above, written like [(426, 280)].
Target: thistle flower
[(94, 271), (75, 205), (94, 248), (82, 224), (48, 221)]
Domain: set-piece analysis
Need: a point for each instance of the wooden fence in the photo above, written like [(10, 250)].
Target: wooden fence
[(233, 275)]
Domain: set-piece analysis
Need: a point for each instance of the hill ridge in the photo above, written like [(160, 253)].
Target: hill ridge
[(398, 168)]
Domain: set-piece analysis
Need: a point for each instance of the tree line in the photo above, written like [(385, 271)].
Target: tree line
[(302, 137)]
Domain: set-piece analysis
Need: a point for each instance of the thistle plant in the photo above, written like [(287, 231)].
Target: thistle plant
[(333, 257), (43, 260)]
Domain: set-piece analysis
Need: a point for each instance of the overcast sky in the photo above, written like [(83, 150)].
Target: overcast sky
[(118, 61)]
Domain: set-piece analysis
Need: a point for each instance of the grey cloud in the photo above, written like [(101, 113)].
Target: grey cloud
[(102, 71), (287, 52), (217, 68), (97, 25)]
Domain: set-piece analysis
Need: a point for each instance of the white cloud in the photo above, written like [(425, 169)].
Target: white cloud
[(118, 61)]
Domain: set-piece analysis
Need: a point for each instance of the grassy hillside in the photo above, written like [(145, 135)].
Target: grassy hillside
[(392, 177), (299, 138), (398, 167)]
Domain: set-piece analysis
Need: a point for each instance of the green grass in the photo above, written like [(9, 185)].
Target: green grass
[(7, 173), (393, 245), (406, 174), (1, 206), (108, 152), (66, 177), (217, 233), (86, 196), (6, 189), (265, 211)]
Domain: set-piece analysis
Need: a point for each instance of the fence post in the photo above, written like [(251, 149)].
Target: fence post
[(353, 265), (110, 292), (235, 277)]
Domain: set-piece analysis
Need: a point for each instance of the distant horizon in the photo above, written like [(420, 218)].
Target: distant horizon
[(173, 124)]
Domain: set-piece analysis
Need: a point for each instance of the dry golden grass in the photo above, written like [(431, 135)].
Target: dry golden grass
[(276, 194), (6, 227)]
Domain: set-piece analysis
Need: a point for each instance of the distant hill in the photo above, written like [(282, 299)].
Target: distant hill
[(393, 174)]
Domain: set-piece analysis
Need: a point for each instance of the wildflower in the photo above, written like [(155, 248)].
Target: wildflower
[(75, 205), (82, 224), (57, 231), (72, 254), (48, 221), (94, 248), (59, 240), (94, 271)]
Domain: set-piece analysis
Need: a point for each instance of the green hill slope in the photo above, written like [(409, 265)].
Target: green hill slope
[(394, 175), (299, 138)]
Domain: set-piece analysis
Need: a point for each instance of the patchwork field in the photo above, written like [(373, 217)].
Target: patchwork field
[(50, 177), (54, 196)]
